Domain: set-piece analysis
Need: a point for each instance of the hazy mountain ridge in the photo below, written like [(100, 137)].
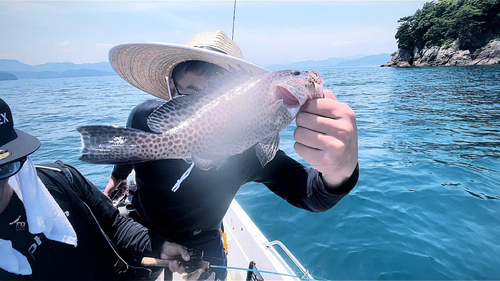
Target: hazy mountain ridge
[(67, 69), (360, 60), (8, 65), (55, 70), (7, 76)]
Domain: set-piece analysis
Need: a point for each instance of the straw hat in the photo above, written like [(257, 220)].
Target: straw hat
[(146, 65)]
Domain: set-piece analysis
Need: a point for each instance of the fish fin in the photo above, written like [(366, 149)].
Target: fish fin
[(206, 164), (170, 114), (203, 164), (277, 117), (276, 106), (240, 71), (218, 163), (178, 110), (266, 149), (104, 144)]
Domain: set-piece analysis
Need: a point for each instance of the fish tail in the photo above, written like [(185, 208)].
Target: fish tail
[(114, 145)]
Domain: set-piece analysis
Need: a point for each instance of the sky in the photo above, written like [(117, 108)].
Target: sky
[(268, 32)]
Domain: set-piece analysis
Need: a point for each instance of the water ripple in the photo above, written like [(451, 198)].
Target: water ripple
[(427, 202)]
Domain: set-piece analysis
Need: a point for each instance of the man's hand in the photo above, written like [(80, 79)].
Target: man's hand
[(327, 138), (116, 189), (195, 275), (174, 252)]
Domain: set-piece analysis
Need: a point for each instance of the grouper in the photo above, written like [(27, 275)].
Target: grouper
[(234, 114)]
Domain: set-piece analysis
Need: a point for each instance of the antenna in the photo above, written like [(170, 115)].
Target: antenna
[(234, 16)]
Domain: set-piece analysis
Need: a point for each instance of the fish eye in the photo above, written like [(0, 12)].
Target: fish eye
[(295, 72)]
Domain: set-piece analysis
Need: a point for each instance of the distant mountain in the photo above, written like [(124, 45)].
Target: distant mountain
[(327, 62), (358, 60), (55, 70), (13, 65), (64, 66), (7, 76), (368, 60), (64, 74), (67, 69)]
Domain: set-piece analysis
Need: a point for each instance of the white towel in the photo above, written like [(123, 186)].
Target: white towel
[(13, 261), (42, 211)]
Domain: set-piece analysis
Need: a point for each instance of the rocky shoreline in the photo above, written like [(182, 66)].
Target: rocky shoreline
[(446, 56)]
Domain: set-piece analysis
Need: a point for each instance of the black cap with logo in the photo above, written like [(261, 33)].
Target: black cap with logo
[(14, 144)]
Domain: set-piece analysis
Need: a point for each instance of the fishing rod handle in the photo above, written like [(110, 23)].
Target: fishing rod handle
[(148, 261)]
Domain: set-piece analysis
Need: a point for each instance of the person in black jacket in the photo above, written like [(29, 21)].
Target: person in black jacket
[(326, 137), (55, 224)]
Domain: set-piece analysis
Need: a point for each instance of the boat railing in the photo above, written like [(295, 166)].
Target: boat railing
[(304, 271)]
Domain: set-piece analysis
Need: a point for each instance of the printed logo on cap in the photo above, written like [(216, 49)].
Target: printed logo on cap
[(3, 118), (4, 154)]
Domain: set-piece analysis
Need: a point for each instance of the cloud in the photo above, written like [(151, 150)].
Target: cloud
[(313, 43), (83, 31), (341, 43), (62, 44), (8, 55), (103, 45)]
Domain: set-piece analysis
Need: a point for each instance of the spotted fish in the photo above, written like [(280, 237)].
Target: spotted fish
[(227, 119)]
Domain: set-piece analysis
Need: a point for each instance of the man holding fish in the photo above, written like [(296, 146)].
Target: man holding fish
[(218, 131)]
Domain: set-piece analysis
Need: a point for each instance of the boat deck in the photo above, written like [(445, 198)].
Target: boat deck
[(246, 243)]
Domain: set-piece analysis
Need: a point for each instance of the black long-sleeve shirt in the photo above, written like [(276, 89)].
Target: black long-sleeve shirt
[(204, 196), (105, 238)]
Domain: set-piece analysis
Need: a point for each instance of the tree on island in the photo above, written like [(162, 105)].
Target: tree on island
[(471, 23)]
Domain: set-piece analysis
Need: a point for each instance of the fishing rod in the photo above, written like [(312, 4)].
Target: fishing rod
[(257, 270), (234, 17), (155, 262)]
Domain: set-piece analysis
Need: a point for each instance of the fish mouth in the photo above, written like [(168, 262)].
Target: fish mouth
[(287, 97)]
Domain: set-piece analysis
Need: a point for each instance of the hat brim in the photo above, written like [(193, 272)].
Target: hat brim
[(23, 145), (146, 65)]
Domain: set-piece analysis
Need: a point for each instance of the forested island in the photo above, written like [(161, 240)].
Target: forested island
[(449, 32)]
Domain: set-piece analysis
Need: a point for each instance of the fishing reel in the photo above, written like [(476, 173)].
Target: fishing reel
[(195, 261)]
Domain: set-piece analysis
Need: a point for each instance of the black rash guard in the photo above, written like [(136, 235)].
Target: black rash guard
[(204, 196), (105, 238)]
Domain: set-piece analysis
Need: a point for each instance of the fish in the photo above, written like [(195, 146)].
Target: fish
[(231, 116)]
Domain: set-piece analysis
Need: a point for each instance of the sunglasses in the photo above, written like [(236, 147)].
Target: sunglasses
[(216, 75), (11, 168), (174, 90)]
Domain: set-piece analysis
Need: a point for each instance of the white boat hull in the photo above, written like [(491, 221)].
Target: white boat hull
[(247, 243)]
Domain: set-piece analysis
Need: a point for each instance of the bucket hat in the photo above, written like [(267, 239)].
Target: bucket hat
[(14, 144), (146, 65)]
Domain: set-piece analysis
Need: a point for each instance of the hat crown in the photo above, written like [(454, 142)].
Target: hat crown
[(7, 132), (216, 41), (146, 65)]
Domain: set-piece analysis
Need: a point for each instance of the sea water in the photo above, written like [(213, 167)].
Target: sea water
[(427, 204)]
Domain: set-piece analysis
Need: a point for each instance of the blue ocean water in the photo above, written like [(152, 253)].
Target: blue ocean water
[(427, 205)]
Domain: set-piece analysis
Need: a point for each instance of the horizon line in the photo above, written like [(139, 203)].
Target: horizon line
[(361, 55)]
